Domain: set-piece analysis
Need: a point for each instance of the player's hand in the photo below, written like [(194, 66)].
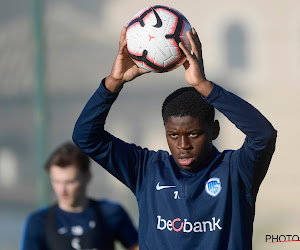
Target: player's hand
[(124, 69), (194, 68)]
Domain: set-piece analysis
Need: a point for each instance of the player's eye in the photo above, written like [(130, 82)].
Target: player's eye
[(173, 136), (193, 135), (71, 182)]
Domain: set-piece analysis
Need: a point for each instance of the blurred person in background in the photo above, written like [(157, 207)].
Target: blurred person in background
[(196, 197), (76, 221)]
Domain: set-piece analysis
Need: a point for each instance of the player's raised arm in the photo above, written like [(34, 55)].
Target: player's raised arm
[(124, 69), (89, 133), (194, 67), (261, 136)]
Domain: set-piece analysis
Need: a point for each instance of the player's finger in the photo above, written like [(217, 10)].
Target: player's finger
[(123, 47), (123, 36), (144, 71), (198, 44), (196, 37), (194, 46), (185, 51)]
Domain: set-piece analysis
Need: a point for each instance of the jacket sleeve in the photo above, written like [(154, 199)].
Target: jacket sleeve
[(123, 160), (254, 157), (33, 233), (123, 227)]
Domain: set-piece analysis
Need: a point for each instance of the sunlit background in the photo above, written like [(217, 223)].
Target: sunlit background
[(249, 47)]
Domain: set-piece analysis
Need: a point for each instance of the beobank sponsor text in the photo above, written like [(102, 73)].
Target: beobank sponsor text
[(186, 226)]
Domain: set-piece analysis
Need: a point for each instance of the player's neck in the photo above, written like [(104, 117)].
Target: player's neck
[(77, 207)]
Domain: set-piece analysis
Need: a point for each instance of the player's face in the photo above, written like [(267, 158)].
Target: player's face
[(69, 185), (189, 140)]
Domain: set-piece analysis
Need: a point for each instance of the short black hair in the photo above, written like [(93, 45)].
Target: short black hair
[(187, 101), (68, 154)]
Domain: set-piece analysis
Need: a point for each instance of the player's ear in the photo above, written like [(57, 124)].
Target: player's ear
[(215, 129)]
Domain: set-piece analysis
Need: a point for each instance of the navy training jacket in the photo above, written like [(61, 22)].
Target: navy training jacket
[(212, 209)]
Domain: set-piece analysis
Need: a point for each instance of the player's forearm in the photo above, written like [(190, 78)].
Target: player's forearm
[(245, 117), (113, 84), (204, 87), (90, 124)]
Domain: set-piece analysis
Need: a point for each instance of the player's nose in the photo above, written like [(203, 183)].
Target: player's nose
[(184, 143)]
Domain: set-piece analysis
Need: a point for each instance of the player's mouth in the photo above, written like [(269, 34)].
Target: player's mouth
[(65, 197), (185, 161)]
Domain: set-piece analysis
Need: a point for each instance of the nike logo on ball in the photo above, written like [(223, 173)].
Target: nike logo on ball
[(158, 187), (158, 20)]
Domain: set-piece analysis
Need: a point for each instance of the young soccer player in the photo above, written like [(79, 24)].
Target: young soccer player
[(76, 221), (197, 197)]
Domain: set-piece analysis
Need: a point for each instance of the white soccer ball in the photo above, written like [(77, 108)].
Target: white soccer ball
[(153, 36)]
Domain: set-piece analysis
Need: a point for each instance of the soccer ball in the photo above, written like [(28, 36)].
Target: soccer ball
[(153, 36)]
